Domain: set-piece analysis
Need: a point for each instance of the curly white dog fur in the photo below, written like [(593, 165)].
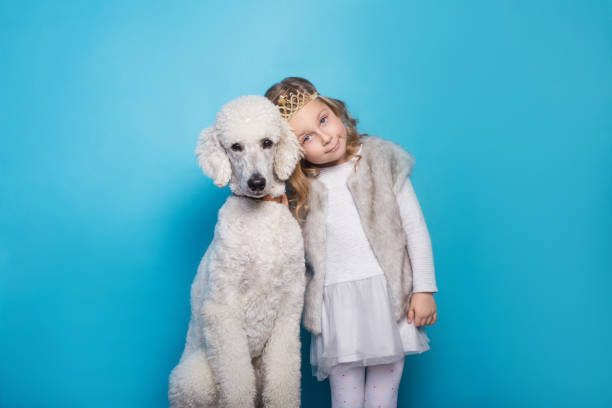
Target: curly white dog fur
[(243, 346)]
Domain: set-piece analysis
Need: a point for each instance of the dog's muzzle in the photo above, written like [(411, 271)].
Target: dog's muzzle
[(257, 182)]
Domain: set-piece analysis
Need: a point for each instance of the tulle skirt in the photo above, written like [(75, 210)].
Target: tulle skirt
[(358, 328)]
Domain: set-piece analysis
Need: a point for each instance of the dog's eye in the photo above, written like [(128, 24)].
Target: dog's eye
[(267, 143), (236, 147)]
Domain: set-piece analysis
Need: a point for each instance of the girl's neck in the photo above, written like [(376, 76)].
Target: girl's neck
[(347, 156)]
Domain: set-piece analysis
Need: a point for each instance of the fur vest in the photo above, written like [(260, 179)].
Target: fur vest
[(383, 167)]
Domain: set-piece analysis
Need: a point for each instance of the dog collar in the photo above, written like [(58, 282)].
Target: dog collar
[(282, 199)]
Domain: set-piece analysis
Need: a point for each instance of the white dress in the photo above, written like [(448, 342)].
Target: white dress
[(357, 326)]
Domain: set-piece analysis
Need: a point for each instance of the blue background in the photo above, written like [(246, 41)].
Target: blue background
[(104, 214)]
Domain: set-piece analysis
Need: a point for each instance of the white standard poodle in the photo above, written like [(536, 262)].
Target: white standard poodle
[(243, 345)]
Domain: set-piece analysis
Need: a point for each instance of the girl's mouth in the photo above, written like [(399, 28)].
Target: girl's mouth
[(335, 147)]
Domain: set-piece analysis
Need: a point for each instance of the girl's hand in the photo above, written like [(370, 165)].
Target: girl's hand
[(422, 309)]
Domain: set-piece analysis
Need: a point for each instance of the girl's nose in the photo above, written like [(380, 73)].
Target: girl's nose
[(325, 138)]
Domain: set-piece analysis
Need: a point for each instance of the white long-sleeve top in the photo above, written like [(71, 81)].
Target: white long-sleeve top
[(417, 240), (349, 255)]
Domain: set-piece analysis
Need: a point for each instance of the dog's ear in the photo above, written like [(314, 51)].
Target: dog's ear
[(288, 152), (212, 157)]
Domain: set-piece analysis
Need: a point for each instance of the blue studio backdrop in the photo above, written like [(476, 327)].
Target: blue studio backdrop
[(104, 213)]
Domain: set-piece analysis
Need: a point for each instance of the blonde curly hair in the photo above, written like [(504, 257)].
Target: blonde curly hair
[(299, 183)]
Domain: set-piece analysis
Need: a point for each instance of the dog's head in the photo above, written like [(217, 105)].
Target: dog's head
[(250, 146)]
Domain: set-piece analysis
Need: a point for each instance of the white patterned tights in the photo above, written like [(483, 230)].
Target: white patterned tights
[(353, 388)]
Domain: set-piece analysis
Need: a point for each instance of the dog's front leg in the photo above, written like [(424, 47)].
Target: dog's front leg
[(229, 355), (281, 356)]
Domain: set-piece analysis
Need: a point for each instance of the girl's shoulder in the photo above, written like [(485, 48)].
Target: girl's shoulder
[(383, 151)]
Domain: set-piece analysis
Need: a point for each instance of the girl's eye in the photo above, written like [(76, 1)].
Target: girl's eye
[(306, 138), (323, 120)]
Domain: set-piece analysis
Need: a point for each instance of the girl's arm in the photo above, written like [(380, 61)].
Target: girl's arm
[(417, 240)]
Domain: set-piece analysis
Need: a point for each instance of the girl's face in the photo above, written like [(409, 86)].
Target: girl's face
[(321, 133)]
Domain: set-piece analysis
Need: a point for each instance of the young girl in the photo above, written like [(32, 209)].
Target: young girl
[(371, 276)]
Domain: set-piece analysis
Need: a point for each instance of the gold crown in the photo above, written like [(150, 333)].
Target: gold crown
[(289, 105)]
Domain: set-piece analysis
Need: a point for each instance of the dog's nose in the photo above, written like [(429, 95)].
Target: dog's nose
[(257, 182)]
